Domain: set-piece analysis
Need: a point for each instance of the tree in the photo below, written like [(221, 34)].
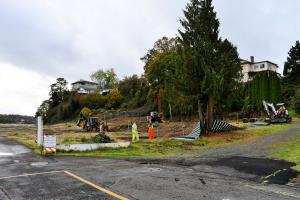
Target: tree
[(114, 99), (163, 73), (264, 86), (134, 90), (130, 85), (43, 109), (209, 61), (292, 65), (58, 91), (163, 44), (158, 63), (105, 79)]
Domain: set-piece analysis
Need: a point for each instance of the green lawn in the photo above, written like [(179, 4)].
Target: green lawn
[(290, 150)]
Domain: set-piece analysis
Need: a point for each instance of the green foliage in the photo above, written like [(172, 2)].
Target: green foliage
[(86, 112), (114, 99), (134, 89), (211, 65), (101, 138), (295, 102), (15, 119), (94, 101), (264, 86), (293, 113), (57, 92), (43, 109), (162, 45), (105, 79), (292, 65), (287, 91)]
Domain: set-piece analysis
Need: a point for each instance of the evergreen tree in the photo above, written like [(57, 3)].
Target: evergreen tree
[(211, 65), (292, 65), (58, 91)]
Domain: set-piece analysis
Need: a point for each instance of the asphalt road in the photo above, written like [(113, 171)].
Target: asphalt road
[(222, 174)]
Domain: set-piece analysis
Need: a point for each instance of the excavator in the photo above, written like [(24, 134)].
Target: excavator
[(277, 115)]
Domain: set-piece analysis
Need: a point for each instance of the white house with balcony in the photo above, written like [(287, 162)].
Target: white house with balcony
[(250, 68), (84, 87)]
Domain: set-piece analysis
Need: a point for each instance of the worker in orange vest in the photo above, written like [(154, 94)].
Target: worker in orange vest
[(151, 132)]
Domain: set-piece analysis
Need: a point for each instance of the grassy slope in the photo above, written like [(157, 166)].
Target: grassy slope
[(290, 150)]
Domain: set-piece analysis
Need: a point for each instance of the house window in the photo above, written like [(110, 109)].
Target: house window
[(262, 66), (255, 66)]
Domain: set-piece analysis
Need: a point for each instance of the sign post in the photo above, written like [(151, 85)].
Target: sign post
[(39, 133)]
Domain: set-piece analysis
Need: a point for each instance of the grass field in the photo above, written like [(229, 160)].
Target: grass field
[(158, 148), (290, 150), (171, 147)]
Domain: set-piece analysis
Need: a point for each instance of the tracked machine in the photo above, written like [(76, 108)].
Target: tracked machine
[(277, 115)]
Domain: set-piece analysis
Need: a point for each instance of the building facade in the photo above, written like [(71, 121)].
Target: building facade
[(84, 87), (250, 68)]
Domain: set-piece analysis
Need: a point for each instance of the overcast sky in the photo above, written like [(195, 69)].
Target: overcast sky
[(43, 40)]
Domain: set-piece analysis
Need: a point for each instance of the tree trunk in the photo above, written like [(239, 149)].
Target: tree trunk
[(201, 118), (170, 109), (210, 112), (160, 99)]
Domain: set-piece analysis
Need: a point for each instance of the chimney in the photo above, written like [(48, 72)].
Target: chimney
[(252, 59)]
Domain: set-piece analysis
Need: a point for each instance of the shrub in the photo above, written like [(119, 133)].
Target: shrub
[(83, 139), (114, 99), (101, 138), (94, 101), (86, 112), (292, 113)]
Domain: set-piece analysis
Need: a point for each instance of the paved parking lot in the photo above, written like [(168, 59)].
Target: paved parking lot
[(25, 175)]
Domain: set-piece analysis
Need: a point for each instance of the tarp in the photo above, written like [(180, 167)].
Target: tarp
[(217, 126)]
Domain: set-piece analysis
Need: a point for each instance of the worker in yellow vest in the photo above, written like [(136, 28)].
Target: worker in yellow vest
[(134, 131)]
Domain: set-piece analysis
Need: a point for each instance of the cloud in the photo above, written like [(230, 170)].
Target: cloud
[(22, 90), (73, 38), (265, 29)]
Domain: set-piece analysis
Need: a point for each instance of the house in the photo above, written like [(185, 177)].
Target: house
[(250, 68), (84, 87), (105, 91)]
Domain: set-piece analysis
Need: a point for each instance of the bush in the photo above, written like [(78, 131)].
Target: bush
[(292, 113), (84, 139), (86, 112), (101, 138), (114, 99), (94, 101)]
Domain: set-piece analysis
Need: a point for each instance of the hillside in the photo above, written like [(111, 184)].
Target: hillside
[(16, 119)]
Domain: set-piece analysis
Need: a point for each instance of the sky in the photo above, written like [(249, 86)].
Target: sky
[(43, 40)]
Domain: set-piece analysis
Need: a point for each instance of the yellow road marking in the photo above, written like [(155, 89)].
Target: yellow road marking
[(276, 192), (96, 186), (32, 174)]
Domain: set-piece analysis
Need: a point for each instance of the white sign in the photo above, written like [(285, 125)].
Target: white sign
[(49, 141)]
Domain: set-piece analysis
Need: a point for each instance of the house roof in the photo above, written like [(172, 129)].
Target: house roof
[(247, 61), (267, 62), (84, 82)]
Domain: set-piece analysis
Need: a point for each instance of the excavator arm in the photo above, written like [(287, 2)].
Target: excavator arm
[(267, 106)]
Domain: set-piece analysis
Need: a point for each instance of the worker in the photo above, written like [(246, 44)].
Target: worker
[(135, 134), (151, 132)]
